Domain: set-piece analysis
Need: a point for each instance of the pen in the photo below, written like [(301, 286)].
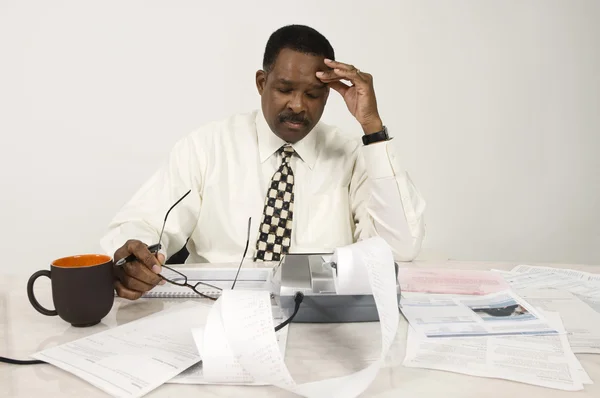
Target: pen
[(153, 249)]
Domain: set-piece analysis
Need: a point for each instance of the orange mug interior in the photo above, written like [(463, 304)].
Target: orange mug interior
[(81, 261)]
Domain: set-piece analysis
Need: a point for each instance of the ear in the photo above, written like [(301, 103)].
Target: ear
[(261, 80)]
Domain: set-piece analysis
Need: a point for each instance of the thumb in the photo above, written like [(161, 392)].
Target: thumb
[(161, 258)]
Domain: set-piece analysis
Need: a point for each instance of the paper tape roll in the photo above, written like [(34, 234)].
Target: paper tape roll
[(351, 275)]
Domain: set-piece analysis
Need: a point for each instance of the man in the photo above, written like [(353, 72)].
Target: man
[(305, 185)]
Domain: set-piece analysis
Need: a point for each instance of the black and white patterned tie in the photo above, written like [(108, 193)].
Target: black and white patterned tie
[(275, 233)]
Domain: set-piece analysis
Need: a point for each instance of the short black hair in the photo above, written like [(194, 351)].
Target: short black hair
[(299, 38)]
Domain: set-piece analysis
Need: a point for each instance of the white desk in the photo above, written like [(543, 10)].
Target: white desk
[(314, 352)]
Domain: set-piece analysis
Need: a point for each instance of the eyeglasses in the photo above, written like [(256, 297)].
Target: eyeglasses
[(179, 279)]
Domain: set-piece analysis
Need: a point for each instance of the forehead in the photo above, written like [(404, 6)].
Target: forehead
[(298, 67)]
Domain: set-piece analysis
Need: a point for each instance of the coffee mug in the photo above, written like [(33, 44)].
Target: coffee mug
[(82, 289)]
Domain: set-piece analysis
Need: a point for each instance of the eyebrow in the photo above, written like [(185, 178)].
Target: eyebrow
[(286, 82)]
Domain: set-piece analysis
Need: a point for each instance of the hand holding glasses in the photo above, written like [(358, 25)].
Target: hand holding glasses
[(180, 279), (139, 270)]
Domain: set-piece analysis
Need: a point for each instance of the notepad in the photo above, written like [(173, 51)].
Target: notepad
[(171, 291), (248, 279)]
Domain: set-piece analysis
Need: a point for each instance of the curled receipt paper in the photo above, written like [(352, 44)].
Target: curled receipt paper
[(239, 343)]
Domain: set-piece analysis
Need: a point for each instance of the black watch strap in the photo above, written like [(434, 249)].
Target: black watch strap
[(376, 137)]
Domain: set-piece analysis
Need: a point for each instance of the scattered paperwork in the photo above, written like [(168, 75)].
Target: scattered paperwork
[(442, 315), (539, 360), (249, 335), (133, 359), (482, 329), (450, 281)]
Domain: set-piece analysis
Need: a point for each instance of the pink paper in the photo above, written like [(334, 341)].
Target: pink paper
[(450, 281)]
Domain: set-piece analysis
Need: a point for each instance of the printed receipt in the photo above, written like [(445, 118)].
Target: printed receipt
[(195, 374), (239, 344)]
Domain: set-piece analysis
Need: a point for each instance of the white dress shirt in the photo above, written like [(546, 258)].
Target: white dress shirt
[(343, 192)]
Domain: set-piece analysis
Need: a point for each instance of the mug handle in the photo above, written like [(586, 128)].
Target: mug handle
[(31, 296)]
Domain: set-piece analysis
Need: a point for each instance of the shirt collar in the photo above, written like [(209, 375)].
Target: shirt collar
[(269, 143)]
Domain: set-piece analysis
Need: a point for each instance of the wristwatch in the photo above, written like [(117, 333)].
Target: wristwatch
[(376, 137)]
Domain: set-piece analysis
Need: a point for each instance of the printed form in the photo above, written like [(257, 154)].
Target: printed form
[(442, 315), (539, 360), (133, 359)]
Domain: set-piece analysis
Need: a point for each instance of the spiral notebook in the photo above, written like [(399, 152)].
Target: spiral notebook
[(248, 279)]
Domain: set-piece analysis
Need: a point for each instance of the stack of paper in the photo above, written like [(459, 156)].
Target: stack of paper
[(527, 335)]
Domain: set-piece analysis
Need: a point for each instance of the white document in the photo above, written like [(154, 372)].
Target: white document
[(249, 333), (133, 359), (450, 281), (576, 282), (544, 279), (195, 374), (581, 322), (539, 360), (503, 313), (586, 276)]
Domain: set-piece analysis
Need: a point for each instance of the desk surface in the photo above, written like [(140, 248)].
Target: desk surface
[(314, 352)]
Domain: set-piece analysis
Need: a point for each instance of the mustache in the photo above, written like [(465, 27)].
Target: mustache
[(293, 118)]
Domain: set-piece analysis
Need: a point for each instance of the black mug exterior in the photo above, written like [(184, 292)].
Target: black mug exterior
[(82, 295)]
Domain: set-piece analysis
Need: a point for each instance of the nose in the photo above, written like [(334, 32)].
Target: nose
[(296, 102)]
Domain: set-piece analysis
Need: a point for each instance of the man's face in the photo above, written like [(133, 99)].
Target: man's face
[(292, 97)]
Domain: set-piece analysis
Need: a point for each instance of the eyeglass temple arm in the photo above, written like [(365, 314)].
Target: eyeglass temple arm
[(167, 215)]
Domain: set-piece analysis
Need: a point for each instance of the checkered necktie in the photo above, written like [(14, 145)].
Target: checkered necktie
[(275, 230)]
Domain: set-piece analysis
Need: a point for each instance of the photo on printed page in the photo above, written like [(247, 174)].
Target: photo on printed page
[(504, 310)]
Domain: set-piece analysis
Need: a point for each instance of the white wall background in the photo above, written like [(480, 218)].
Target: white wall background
[(495, 106)]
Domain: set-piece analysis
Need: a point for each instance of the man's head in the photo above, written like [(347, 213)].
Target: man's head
[(292, 97)]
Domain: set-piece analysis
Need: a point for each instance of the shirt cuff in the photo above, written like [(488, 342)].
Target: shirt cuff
[(379, 162)]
